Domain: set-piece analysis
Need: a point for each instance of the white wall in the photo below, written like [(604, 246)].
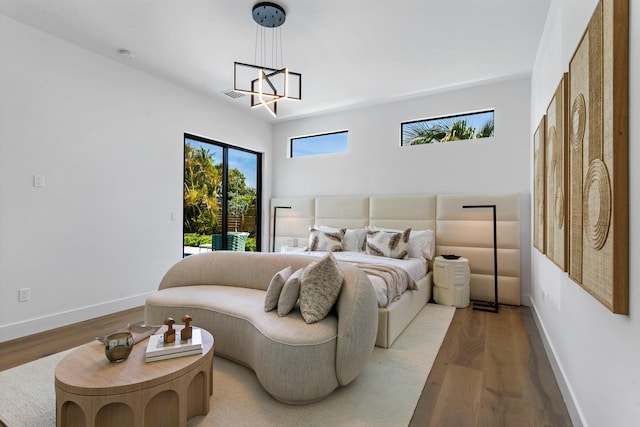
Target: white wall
[(109, 142), (376, 164), (594, 351)]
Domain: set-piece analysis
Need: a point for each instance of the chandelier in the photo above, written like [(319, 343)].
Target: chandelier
[(269, 82)]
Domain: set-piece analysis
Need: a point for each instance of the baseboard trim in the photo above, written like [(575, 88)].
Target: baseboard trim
[(577, 417), (64, 318)]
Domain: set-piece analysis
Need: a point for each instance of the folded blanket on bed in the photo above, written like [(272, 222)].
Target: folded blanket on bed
[(395, 278)]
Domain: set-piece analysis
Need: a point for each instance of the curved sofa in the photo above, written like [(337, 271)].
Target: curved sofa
[(296, 362)]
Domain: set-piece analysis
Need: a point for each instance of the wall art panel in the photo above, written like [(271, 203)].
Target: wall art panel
[(538, 187), (598, 165), (555, 181)]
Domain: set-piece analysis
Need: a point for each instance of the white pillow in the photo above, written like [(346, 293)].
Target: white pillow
[(421, 244), (429, 246), (353, 240)]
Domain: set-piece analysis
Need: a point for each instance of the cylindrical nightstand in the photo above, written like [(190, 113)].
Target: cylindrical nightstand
[(451, 279)]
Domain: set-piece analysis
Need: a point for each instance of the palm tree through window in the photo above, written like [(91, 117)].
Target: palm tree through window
[(450, 128)]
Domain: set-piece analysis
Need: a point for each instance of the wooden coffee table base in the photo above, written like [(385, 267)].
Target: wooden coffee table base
[(132, 393)]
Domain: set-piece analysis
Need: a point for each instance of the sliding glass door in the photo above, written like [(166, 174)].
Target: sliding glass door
[(221, 197)]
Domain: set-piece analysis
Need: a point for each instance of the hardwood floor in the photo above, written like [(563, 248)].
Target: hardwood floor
[(23, 350), (491, 369)]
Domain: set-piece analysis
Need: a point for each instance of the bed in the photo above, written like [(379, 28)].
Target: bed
[(390, 277), (466, 232)]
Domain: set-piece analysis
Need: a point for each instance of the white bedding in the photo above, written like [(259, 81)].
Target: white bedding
[(415, 267)]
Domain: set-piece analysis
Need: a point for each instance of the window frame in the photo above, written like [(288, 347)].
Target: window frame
[(315, 135), (225, 168), (446, 117)]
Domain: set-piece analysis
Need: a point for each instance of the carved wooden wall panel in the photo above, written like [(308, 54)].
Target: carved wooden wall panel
[(555, 182), (598, 167), (538, 187)]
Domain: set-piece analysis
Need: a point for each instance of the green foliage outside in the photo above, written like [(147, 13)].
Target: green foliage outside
[(202, 181), (443, 130), (250, 245), (241, 197), (202, 197), (195, 240)]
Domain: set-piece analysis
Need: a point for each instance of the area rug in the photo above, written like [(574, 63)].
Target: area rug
[(384, 394)]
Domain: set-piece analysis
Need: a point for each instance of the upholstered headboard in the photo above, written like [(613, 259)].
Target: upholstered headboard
[(469, 233), (465, 232)]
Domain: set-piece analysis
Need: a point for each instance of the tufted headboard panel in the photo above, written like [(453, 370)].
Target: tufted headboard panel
[(465, 232), (469, 233), (401, 212), (293, 224), (348, 212)]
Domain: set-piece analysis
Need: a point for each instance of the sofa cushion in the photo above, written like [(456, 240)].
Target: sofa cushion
[(319, 288), (221, 306), (290, 293), (275, 288)]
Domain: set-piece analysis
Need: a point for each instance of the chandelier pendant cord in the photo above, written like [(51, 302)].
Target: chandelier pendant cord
[(255, 49), (277, 54), (280, 40), (274, 52)]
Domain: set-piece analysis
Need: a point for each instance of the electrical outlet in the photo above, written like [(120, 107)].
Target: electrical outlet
[(24, 294), (38, 181)]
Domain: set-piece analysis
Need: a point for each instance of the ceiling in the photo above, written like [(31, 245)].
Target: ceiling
[(351, 53)]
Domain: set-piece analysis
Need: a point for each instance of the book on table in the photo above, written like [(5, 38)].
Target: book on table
[(173, 355), (157, 349)]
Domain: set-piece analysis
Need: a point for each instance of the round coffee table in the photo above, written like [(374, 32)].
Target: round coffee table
[(92, 391)]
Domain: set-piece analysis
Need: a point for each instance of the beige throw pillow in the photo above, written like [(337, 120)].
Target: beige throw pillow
[(275, 287), (319, 288), (290, 293), (326, 241), (388, 243)]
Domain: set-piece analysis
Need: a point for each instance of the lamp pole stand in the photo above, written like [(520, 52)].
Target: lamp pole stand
[(275, 212), (492, 307)]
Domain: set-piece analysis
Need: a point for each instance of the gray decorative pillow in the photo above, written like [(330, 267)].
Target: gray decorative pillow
[(388, 243), (326, 241), (275, 287), (290, 293), (319, 288)]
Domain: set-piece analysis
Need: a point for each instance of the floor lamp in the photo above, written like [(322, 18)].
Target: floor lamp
[(275, 212), (482, 305)]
